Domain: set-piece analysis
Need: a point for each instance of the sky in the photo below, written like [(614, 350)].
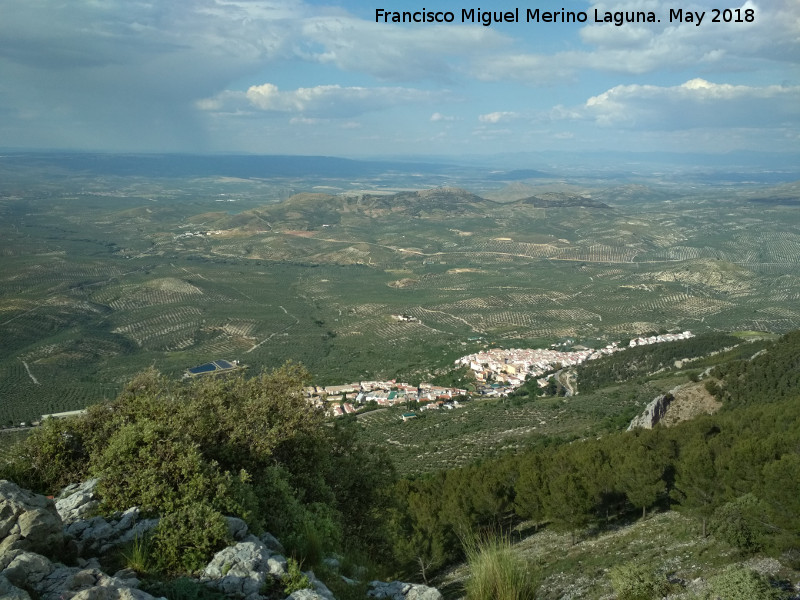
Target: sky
[(324, 78)]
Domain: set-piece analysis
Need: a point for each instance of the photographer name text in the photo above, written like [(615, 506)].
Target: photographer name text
[(528, 15)]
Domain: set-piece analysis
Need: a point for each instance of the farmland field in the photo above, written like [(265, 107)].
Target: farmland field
[(106, 274)]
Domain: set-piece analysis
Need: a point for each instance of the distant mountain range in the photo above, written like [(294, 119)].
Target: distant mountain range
[(700, 168)]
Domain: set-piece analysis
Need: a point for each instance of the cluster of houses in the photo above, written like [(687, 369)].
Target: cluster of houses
[(404, 318), (499, 371), (190, 234), (350, 398), (657, 339)]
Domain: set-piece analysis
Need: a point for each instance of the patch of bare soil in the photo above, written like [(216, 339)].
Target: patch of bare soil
[(690, 401)]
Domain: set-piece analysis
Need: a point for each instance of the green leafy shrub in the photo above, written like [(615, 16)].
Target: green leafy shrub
[(638, 582), (186, 540), (253, 448), (318, 534), (739, 523), (294, 579), (739, 583), (53, 456)]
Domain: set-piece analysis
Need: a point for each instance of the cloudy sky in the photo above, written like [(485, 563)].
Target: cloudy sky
[(319, 77)]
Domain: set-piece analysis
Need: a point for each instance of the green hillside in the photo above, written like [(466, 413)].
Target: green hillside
[(588, 510)]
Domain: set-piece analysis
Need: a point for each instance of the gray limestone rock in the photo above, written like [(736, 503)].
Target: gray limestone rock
[(111, 593), (237, 528), (77, 501), (28, 521), (397, 590), (53, 581), (8, 591), (654, 411), (271, 542), (305, 595), (98, 535), (24, 569), (332, 563), (242, 569), (319, 588)]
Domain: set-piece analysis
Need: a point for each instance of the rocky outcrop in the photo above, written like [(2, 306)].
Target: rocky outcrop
[(271, 542), (28, 521), (243, 569), (9, 591), (31, 529), (653, 412), (106, 593), (397, 590), (77, 501), (98, 535), (305, 595), (319, 588), (23, 570)]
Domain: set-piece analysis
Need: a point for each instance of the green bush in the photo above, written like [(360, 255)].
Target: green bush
[(638, 582), (496, 572), (253, 448), (144, 466), (52, 457), (318, 534), (739, 583), (294, 579), (186, 540), (739, 523)]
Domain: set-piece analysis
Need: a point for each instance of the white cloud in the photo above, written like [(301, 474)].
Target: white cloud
[(497, 117), (437, 117), (331, 101), (394, 52), (304, 121), (695, 103), (639, 48)]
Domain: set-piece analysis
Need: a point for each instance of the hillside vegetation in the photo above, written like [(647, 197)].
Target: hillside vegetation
[(253, 448), (735, 474), (192, 453)]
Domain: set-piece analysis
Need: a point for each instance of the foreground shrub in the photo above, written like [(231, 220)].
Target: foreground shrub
[(294, 580), (252, 448), (739, 583), (186, 540), (317, 535), (496, 572), (169, 473), (638, 582)]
